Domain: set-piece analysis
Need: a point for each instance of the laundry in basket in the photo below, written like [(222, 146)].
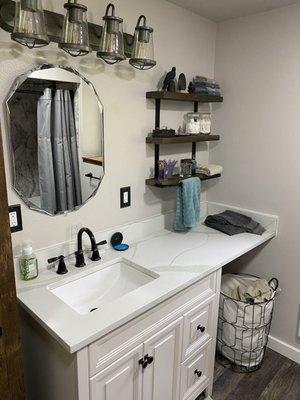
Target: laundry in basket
[(244, 325)]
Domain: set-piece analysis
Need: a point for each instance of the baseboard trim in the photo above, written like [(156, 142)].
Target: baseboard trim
[(284, 348)]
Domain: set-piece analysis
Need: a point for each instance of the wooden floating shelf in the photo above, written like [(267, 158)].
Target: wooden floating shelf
[(175, 180), (96, 160), (181, 139), (161, 95)]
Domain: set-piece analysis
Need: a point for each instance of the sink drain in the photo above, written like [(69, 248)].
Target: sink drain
[(93, 309)]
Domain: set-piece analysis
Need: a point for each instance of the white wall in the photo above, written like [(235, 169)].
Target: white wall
[(182, 39), (258, 65)]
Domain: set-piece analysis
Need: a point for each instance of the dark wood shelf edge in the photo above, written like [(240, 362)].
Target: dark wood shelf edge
[(181, 139), (177, 96), (173, 182), (93, 161)]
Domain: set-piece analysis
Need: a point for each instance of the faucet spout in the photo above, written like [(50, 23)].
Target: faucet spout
[(79, 253)]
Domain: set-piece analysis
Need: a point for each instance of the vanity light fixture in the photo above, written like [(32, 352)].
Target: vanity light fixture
[(142, 56), (75, 35), (29, 24), (111, 48)]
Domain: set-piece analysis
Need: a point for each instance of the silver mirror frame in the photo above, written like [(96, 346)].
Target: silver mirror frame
[(18, 81)]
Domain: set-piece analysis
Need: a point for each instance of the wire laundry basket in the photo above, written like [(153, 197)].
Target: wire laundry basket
[(243, 330)]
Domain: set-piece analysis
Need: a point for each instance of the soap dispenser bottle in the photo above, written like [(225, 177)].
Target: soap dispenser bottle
[(28, 263)]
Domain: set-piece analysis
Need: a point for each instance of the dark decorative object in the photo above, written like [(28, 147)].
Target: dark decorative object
[(169, 78), (182, 82), (163, 132), (143, 53), (191, 88), (172, 86)]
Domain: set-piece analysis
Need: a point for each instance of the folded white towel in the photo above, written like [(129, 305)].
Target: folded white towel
[(210, 169)]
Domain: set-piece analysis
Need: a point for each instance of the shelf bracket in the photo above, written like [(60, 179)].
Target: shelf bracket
[(194, 149), (157, 113), (156, 160)]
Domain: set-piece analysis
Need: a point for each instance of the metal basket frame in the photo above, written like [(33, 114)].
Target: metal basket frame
[(251, 357)]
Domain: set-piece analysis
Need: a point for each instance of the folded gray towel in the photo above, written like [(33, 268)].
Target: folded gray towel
[(233, 223)]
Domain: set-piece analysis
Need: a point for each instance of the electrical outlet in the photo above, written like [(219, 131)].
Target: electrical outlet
[(125, 197), (15, 218)]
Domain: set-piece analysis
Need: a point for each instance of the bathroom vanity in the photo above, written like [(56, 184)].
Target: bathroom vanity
[(166, 353), (140, 326)]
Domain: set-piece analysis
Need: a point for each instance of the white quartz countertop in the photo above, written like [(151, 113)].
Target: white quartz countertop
[(180, 259)]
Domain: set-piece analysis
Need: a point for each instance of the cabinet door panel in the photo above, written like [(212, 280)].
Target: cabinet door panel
[(161, 377), (122, 379)]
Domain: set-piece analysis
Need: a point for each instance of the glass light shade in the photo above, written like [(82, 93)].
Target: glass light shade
[(30, 26), (142, 56), (111, 48), (75, 34)]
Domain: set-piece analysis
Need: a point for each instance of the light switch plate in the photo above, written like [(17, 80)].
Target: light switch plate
[(15, 218), (125, 197)]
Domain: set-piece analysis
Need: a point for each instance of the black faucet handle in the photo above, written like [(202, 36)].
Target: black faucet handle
[(61, 269), (102, 243), (95, 254)]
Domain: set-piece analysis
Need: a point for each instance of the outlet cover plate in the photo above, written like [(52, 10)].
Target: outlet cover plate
[(125, 197), (15, 218)]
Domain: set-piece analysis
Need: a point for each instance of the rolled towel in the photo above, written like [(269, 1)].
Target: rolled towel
[(209, 169)]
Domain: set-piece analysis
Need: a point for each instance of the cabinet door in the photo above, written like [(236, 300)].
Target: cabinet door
[(161, 377), (121, 380)]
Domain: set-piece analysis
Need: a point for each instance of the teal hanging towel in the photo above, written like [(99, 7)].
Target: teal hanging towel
[(187, 204)]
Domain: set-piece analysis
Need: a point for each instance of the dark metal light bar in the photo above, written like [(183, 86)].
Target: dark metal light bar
[(54, 23)]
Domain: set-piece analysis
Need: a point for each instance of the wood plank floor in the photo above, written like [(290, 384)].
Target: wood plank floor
[(277, 379)]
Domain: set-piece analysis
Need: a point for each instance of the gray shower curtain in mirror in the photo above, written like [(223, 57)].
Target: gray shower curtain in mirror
[(59, 175)]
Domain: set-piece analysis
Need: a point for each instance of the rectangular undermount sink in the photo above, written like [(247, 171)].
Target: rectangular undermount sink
[(93, 291)]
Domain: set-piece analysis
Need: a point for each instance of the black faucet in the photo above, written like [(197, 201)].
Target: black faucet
[(79, 253)]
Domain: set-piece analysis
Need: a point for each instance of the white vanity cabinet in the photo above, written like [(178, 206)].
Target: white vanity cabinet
[(167, 353)]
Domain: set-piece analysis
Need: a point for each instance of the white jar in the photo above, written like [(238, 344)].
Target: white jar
[(192, 123), (205, 123)]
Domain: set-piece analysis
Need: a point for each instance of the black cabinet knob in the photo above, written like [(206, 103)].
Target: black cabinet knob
[(201, 328), (143, 362), (147, 360), (198, 373), (150, 359)]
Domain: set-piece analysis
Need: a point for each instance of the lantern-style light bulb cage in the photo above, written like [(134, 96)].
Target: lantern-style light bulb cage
[(75, 33), (77, 37), (111, 48), (29, 24), (142, 56)]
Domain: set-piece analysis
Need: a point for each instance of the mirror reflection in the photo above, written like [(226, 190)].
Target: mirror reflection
[(55, 121)]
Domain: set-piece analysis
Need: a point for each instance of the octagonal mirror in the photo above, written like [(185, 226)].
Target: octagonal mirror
[(56, 137)]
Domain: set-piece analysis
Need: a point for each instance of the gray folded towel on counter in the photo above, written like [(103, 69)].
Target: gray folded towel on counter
[(233, 223)]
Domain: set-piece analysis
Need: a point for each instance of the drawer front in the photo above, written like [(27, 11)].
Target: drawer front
[(195, 373), (197, 327)]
